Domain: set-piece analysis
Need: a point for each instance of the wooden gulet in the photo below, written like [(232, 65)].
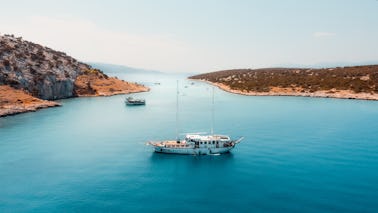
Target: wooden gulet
[(195, 143)]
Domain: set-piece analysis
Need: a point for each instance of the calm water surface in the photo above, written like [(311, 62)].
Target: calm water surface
[(299, 155)]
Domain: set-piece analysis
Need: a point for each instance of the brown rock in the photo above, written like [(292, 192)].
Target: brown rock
[(98, 84), (15, 101)]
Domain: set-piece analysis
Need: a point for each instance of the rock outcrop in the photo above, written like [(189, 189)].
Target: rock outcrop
[(50, 75), (14, 101), (45, 73), (95, 83)]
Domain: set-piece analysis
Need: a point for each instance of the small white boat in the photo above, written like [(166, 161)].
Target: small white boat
[(131, 101)]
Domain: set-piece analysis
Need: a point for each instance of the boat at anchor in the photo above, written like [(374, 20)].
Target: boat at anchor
[(130, 101), (196, 144)]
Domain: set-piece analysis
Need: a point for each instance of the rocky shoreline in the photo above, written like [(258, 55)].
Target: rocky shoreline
[(101, 85), (15, 101), (33, 76), (276, 91)]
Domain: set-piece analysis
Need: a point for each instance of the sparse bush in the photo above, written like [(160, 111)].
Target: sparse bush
[(307, 79)]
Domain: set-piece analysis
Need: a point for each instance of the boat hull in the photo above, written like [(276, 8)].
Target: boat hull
[(135, 104), (193, 151)]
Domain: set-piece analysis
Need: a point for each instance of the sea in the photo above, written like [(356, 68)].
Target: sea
[(299, 154)]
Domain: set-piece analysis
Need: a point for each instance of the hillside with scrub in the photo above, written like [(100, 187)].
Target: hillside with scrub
[(328, 82)]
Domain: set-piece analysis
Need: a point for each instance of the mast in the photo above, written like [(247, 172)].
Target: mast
[(177, 109), (212, 114)]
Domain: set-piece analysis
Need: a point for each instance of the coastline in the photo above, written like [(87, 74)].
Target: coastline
[(16, 101), (93, 85), (276, 91)]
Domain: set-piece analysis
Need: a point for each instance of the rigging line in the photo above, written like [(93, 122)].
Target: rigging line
[(212, 114), (177, 109)]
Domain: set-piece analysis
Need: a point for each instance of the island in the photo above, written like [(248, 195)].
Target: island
[(32, 77), (355, 82)]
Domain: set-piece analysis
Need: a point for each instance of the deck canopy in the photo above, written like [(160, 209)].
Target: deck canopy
[(197, 137)]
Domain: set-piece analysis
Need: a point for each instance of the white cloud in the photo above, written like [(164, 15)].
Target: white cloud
[(84, 40), (323, 34)]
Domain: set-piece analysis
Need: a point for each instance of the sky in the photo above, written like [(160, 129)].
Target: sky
[(200, 35)]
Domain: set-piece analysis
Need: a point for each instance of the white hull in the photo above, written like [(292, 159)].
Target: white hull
[(196, 145), (193, 151)]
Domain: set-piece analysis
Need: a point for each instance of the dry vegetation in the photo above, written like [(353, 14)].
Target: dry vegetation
[(94, 83), (13, 101), (358, 79)]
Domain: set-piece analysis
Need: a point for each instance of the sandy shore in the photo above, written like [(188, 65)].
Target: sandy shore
[(277, 91)]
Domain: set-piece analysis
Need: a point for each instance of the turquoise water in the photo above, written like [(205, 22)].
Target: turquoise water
[(299, 155)]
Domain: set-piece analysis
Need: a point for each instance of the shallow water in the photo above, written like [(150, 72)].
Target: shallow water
[(299, 154)]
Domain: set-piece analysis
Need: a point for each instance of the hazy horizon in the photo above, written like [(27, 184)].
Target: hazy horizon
[(314, 66), (201, 36)]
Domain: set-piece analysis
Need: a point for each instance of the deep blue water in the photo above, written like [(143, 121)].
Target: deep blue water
[(299, 155)]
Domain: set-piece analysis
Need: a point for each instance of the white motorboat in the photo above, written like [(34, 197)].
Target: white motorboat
[(130, 101)]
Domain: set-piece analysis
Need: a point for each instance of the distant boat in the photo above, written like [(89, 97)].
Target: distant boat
[(196, 143), (130, 101)]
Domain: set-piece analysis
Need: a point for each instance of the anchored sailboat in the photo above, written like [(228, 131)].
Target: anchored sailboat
[(196, 144)]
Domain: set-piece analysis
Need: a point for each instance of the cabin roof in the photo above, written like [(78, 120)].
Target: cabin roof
[(208, 137)]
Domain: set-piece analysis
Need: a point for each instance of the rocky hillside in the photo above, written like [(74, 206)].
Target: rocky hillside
[(49, 74), (30, 72), (347, 81), (45, 73)]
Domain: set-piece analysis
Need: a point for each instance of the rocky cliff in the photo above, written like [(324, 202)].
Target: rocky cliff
[(45, 73), (49, 75), (14, 101)]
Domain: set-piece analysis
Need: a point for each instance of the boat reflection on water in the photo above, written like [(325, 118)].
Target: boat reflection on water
[(193, 161)]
